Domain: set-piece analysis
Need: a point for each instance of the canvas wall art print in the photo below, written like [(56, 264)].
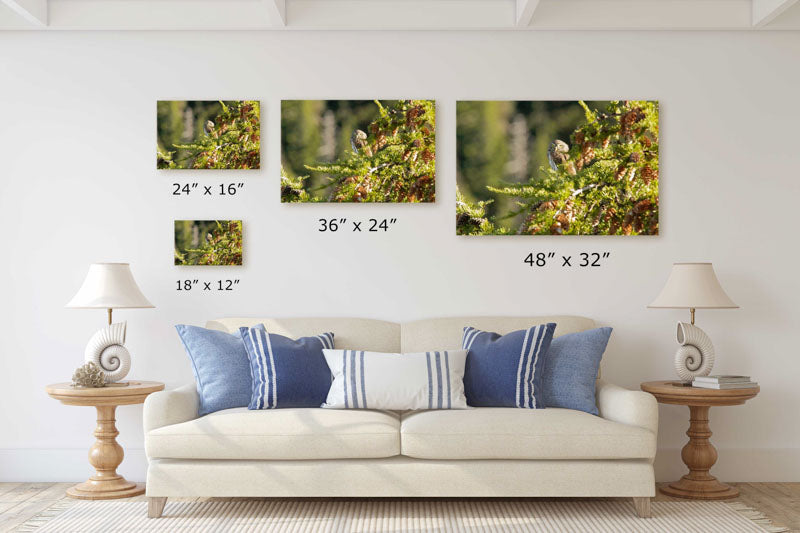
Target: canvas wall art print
[(358, 151), (208, 242), (200, 134), (557, 167)]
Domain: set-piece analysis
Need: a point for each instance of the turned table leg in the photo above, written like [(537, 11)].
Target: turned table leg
[(699, 455), (105, 455)]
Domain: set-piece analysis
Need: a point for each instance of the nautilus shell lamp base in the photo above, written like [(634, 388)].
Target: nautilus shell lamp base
[(695, 354), (107, 350)]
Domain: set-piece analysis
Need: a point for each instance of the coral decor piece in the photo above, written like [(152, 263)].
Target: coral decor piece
[(89, 375)]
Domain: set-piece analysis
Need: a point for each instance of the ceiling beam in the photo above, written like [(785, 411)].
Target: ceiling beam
[(160, 15), (642, 15), (525, 11), (34, 11), (433, 15), (278, 9), (766, 11), (376, 15)]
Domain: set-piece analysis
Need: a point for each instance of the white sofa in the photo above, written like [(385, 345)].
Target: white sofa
[(481, 452)]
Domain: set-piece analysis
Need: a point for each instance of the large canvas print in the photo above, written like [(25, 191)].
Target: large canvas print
[(208, 242), (358, 151), (557, 167), (199, 134)]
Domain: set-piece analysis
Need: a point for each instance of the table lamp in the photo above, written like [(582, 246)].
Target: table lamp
[(109, 286), (693, 286)]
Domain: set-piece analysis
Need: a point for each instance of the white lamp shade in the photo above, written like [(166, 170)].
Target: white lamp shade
[(109, 286), (693, 285)]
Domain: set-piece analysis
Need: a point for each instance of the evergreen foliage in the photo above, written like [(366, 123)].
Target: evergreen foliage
[(208, 242), (225, 135), (471, 217), (605, 182), (392, 159), (293, 189)]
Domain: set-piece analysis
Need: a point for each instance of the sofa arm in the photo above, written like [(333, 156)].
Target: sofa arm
[(634, 408), (170, 407)]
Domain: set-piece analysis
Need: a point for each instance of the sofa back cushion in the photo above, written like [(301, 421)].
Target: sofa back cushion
[(446, 333), (351, 333), (416, 336)]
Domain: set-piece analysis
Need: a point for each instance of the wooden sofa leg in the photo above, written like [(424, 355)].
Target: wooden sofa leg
[(155, 506), (642, 506)]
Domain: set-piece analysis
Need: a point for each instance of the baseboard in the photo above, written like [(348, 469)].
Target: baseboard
[(60, 464), (737, 464), (56, 464)]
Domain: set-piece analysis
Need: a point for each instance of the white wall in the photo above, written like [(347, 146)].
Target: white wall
[(78, 185)]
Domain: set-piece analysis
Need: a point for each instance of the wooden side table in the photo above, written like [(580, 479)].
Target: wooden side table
[(106, 454), (698, 454)]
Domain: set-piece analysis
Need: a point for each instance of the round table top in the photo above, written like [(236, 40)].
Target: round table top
[(674, 392), (113, 394)]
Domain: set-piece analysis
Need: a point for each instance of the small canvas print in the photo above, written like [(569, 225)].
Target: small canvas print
[(557, 167), (208, 242), (195, 134), (358, 151)]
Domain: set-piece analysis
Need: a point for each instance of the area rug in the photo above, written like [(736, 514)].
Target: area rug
[(364, 516)]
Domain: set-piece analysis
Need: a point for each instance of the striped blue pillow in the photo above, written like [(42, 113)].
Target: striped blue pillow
[(506, 371), (286, 372)]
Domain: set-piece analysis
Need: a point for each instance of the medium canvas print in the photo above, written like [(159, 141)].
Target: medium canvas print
[(358, 151), (200, 134), (208, 242), (557, 167)]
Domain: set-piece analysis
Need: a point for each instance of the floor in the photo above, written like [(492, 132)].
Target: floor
[(20, 501)]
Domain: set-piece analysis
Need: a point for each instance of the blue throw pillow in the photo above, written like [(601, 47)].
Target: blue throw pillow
[(506, 371), (570, 369), (220, 365), (286, 372)]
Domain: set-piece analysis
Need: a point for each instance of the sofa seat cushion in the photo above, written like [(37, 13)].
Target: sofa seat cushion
[(509, 433), (299, 433)]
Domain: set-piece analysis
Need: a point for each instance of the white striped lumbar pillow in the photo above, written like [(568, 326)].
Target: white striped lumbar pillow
[(396, 381)]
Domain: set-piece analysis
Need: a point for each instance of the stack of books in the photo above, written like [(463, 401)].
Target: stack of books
[(723, 382)]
